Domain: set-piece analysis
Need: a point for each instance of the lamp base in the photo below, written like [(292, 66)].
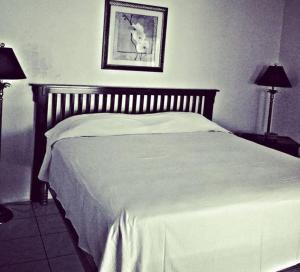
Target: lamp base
[(5, 214)]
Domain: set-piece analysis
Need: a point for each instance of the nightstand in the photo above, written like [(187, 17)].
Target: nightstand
[(281, 143)]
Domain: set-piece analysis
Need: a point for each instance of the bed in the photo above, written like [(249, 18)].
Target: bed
[(171, 190)]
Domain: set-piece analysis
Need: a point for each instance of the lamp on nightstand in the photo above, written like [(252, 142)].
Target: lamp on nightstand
[(9, 69), (274, 76)]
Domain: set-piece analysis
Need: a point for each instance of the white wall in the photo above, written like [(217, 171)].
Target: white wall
[(286, 117), (210, 44)]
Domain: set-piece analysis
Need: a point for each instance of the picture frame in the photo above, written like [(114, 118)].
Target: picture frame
[(134, 36)]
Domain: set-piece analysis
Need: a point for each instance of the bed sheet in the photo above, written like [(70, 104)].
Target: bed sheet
[(202, 201)]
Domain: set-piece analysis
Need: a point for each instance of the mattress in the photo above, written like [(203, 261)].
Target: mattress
[(188, 201)]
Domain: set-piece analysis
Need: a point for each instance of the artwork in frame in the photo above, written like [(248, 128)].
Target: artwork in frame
[(134, 36)]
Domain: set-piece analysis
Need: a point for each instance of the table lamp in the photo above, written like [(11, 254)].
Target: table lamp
[(274, 76), (9, 69)]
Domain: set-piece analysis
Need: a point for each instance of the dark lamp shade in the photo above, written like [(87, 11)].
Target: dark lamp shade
[(274, 76), (9, 65)]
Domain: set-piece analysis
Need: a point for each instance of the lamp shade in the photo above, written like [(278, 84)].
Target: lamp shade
[(9, 65), (274, 76)]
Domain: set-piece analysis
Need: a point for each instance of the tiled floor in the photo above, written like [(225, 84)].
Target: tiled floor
[(37, 239)]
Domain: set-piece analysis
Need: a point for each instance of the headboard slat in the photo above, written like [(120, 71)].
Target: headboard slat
[(188, 104), (127, 101), (63, 105), (134, 103), (175, 103), (200, 104), (162, 103), (120, 99), (148, 105), (72, 100), (88, 103), (80, 103), (169, 97), (104, 103), (181, 103), (194, 103), (141, 104), (54, 109), (96, 103), (155, 103), (112, 104)]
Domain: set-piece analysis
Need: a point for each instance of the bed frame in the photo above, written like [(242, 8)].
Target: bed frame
[(55, 102)]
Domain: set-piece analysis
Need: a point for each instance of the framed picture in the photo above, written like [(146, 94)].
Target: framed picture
[(134, 36)]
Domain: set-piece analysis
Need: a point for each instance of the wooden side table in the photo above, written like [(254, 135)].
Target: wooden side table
[(281, 143)]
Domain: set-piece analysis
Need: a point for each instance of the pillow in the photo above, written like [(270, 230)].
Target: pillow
[(105, 124)]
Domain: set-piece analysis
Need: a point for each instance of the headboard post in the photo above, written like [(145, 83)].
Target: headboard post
[(40, 98), (208, 107)]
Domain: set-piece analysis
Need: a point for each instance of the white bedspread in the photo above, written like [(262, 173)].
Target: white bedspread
[(192, 202)]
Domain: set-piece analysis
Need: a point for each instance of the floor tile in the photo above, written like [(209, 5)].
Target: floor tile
[(51, 224), (21, 250), (58, 244), (37, 266), (48, 209), (21, 210), (66, 263), (18, 228)]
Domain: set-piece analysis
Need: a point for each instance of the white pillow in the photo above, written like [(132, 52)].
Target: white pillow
[(104, 124)]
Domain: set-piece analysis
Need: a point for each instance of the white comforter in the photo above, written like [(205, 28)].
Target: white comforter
[(188, 201)]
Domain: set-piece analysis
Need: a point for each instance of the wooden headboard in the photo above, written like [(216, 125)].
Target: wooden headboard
[(55, 102)]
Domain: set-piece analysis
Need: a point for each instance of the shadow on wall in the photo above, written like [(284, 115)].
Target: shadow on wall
[(294, 77), (262, 107), (18, 148), (259, 69), (261, 95), (15, 166)]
